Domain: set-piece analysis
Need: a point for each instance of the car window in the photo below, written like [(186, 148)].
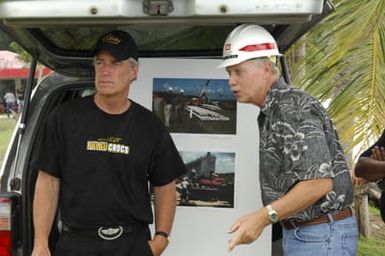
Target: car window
[(148, 37), (5, 41), (68, 94)]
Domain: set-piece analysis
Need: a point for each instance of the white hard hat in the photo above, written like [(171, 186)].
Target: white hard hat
[(248, 42)]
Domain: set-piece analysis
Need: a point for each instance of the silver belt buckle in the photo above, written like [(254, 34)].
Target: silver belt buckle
[(110, 233)]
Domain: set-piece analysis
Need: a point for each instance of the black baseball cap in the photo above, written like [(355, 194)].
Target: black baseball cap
[(119, 44)]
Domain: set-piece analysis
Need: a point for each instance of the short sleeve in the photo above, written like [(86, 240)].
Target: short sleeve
[(47, 156), (166, 163)]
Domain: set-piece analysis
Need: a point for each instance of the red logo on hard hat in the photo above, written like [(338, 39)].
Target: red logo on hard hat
[(258, 47), (227, 46)]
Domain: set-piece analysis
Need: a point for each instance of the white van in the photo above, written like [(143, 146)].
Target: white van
[(176, 38)]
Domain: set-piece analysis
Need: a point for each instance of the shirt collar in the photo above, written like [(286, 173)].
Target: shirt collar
[(277, 86)]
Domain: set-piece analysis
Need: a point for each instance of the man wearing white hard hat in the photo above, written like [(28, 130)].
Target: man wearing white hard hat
[(305, 181)]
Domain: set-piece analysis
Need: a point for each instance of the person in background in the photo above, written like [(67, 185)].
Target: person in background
[(305, 181), (371, 167), (2, 104), (168, 107), (371, 163), (20, 101), (158, 106), (10, 100), (97, 156)]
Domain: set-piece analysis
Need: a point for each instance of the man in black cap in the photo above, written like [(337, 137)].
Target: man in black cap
[(97, 156)]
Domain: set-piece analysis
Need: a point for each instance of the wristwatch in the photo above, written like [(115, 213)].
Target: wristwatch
[(164, 234), (273, 215)]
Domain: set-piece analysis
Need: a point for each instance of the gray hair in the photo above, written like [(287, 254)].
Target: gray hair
[(134, 62), (259, 61)]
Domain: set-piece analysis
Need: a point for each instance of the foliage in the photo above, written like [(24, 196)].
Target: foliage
[(345, 64), (23, 54), (4, 41)]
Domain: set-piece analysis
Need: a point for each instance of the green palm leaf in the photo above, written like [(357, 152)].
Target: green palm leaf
[(345, 66)]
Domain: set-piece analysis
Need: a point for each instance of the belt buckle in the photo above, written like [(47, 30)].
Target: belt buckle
[(110, 233)]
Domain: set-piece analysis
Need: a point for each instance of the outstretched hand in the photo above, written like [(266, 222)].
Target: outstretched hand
[(248, 228)]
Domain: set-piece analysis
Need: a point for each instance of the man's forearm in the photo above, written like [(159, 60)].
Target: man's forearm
[(44, 206), (370, 169), (305, 193), (165, 204), (301, 196)]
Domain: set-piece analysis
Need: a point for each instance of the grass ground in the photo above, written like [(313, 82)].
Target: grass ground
[(372, 246), (375, 244), (6, 128)]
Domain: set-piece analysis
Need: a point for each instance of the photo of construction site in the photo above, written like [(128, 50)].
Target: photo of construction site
[(209, 181), (195, 105)]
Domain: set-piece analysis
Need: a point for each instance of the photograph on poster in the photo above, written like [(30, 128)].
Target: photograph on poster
[(209, 181), (188, 105)]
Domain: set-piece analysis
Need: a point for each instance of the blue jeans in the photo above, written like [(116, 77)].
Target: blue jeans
[(336, 238), (9, 108)]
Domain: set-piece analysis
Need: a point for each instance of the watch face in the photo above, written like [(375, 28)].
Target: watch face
[(274, 217)]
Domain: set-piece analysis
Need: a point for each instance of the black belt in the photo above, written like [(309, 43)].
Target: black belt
[(105, 233), (337, 215)]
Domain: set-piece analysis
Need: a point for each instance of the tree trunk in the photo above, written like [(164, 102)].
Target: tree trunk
[(361, 210)]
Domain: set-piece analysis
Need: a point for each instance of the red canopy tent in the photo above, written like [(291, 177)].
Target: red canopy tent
[(11, 73), (11, 67)]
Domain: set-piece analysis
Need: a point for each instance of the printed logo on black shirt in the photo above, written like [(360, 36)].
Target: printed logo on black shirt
[(109, 144)]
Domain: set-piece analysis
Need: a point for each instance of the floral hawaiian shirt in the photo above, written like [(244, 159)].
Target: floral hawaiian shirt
[(299, 142)]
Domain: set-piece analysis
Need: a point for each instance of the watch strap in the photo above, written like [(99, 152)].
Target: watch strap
[(162, 233)]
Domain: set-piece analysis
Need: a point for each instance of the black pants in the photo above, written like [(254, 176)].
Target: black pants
[(129, 244)]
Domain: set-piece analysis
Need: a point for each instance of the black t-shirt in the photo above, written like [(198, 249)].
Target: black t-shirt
[(105, 161)]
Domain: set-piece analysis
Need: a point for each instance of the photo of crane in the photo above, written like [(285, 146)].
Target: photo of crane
[(190, 105)]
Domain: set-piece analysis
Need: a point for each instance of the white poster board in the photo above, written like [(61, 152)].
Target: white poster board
[(202, 231)]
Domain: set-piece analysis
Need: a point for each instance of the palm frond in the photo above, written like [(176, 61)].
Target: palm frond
[(345, 64)]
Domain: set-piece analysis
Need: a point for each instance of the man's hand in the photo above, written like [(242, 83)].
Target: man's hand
[(248, 228), (158, 244), (378, 153), (40, 250)]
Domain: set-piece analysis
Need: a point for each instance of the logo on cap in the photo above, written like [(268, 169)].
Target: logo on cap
[(119, 44), (111, 39)]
